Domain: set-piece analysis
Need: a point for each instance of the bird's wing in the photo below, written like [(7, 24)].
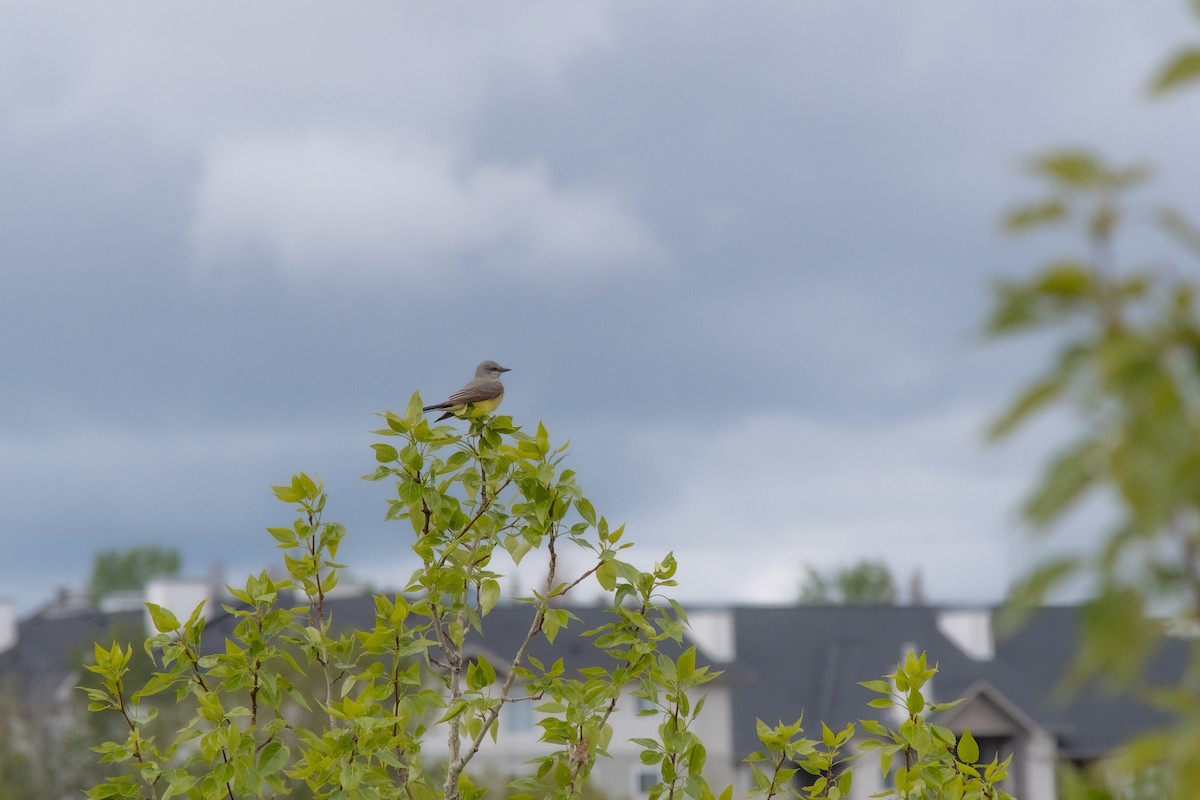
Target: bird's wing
[(474, 392)]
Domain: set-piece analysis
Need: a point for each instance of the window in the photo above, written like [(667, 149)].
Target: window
[(517, 717), (643, 782)]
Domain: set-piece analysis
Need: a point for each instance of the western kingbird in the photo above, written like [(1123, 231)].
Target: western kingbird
[(484, 391)]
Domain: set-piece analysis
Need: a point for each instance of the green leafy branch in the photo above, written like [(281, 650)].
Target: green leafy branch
[(934, 762)]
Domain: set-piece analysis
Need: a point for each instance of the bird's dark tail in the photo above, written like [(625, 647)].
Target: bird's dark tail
[(436, 406)]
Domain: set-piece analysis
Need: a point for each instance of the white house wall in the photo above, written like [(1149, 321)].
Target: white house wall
[(618, 775)]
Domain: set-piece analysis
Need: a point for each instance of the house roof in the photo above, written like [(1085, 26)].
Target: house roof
[(788, 660), (49, 649), (810, 659)]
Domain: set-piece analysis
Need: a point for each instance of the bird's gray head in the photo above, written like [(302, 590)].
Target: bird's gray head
[(490, 369)]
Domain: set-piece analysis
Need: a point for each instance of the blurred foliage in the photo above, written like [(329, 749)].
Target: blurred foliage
[(1182, 69), (1128, 372), (867, 582), (130, 569)]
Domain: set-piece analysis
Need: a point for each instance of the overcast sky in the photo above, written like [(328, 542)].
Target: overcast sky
[(737, 253)]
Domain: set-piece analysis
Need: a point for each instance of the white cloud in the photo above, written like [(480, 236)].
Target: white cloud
[(363, 208), (238, 90)]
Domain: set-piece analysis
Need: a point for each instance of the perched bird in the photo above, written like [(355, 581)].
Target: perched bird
[(484, 391)]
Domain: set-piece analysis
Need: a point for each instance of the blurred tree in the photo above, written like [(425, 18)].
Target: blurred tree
[(1128, 368), (129, 570), (864, 583)]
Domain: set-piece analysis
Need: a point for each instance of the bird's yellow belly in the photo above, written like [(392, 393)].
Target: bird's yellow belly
[(486, 406)]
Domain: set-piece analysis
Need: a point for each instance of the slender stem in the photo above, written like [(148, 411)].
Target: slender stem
[(774, 790), (1104, 262), (194, 661), (316, 614), (255, 667), (577, 765), (674, 755), (138, 756), (506, 688), (579, 580), (453, 651), (462, 535), (535, 627)]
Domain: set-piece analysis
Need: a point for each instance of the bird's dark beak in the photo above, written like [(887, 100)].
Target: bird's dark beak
[(505, 369)]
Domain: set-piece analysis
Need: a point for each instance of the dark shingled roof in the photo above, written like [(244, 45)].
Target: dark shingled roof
[(810, 659), (50, 649)]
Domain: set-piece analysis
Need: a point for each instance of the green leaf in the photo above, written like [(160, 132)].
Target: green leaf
[(385, 453), (1070, 474), (1031, 591), (1034, 215), (285, 536), (686, 664), (553, 622), (697, 758), (1180, 228), (1066, 279), (606, 575), (272, 758), (476, 679), (1031, 400), (287, 494), (455, 708), (1080, 170), (413, 413), (585, 509), (875, 727), (915, 701), (1074, 168), (968, 750), (1042, 392), (486, 670), (164, 621), (1182, 68), (489, 595)]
